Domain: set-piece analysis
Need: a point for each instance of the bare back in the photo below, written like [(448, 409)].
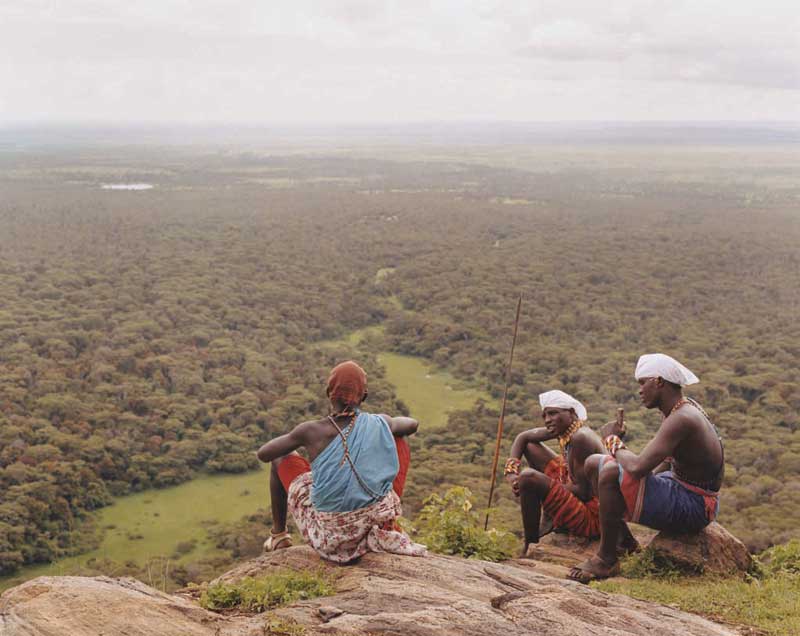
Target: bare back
[(698, 457), (318, 434)]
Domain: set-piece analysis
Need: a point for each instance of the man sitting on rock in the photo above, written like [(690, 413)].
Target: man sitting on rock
[(556, 483), (346, 500), (673, 484)]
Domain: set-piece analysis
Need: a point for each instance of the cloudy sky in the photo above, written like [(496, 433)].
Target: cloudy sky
[(366, 61)]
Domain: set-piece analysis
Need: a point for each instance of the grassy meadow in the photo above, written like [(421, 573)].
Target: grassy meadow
[(170, 522)]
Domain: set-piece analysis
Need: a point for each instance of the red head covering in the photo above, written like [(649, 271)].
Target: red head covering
[(347, 383)]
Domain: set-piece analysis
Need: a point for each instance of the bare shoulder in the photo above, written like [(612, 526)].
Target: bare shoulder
[(682, 421), (309, 428), (586, 440)]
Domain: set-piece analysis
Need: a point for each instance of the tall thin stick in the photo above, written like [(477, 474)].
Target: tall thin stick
[(502, 415)]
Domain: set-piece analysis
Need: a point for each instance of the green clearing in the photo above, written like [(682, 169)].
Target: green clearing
[(431, 395), (163, 519)]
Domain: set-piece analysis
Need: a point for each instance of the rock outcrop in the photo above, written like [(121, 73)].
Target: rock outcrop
[(713, 550), (382, 594)]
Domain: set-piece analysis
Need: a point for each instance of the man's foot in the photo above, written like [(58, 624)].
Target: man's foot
[(593, 569), (278, 541)]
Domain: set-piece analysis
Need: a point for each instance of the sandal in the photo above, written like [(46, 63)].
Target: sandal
[(278, 541), (589, 571)]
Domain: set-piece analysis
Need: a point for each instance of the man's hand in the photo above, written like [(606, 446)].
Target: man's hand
[(617, 427), (513, 481)]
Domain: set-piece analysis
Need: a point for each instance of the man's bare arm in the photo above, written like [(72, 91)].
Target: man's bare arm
[(283, 444), (531, 436), (672, 431), (401, 426), (583, 446)]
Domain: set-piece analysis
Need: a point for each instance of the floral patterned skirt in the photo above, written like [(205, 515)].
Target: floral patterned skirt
[(344, 536)]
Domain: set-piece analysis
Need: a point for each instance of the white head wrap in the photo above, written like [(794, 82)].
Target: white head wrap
[(560, 400), (659, 365)]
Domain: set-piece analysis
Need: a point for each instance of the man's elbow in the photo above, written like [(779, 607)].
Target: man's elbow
[(636, 471)]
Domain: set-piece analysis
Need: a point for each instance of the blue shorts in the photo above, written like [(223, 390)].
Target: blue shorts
[(664, 502)]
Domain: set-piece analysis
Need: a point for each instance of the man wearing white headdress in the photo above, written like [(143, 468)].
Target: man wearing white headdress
[(556, 483), (673, 484)]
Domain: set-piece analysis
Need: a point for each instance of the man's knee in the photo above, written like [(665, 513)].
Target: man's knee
[(532, 481), (592, 465), (609, 475)]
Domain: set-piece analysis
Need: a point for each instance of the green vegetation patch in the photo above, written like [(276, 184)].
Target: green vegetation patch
[(770, 605), (449, 524), (765, 600), (780, 560), (651, 564), (266, 592)]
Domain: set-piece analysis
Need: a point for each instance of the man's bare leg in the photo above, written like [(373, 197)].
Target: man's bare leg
[(612, 509), (538, 456), (278, 499), (626, 543), (533, 488)]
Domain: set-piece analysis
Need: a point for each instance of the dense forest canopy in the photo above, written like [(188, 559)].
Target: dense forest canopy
[(149, 335)]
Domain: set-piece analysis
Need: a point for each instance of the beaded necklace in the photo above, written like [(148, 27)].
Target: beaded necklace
[(345, 432), (678, 405), (564, 441)]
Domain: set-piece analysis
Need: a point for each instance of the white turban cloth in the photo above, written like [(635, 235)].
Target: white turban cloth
[(659, 365), (560, 400)]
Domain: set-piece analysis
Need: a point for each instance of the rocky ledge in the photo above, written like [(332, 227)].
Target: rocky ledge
[(381, 594)]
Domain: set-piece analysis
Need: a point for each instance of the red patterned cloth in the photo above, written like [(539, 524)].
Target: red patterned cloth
[(344, 536), (565, 509)]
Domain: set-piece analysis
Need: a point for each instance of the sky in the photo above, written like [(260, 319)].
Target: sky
[(269, 62)]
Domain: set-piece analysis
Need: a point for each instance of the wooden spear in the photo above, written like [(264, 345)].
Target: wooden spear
[(502, 415)]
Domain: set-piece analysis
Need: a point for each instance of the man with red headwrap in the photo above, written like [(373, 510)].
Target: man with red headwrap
[(346, 497)]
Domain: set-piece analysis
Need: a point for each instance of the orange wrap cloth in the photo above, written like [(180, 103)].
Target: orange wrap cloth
[(566, 510), (347, 383)]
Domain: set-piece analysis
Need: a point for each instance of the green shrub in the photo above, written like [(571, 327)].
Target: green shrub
[(266, 592), (649, 564), (450, 525), (780, 560)]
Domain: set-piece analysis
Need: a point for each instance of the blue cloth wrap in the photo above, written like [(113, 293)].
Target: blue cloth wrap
[(374, 453), (669, 506)]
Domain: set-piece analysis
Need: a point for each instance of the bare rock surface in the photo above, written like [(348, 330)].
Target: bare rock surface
[(381, 594)]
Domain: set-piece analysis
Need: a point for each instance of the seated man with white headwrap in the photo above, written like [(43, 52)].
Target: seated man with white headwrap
[(556, 483), (673, 484)]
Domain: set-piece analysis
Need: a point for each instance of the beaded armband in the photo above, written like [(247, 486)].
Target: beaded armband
[(613, 443), (512, 466)]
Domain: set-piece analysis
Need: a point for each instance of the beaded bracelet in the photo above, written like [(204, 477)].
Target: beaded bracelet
[(512, 466), (613, 444)]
